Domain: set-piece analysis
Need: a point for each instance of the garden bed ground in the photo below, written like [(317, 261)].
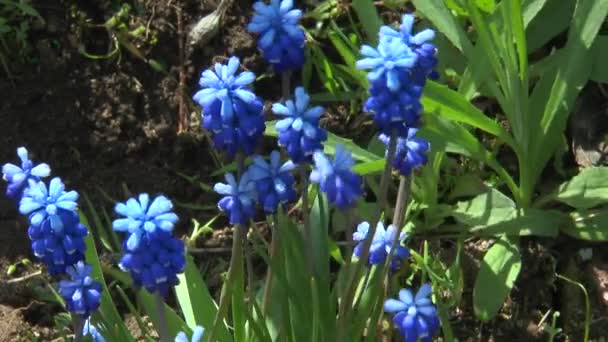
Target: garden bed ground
[(110, 124)]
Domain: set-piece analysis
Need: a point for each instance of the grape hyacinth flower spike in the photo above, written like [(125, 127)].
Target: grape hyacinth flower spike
[(415, 316), (418, 42), (381, 244), (82, 294), (141, 216), (299, 130), (197, 335), (153, 257), (43, 204), (239, 200), (274, 181), (59, 250), (231, 111), (336, 177), (281, 40), (18, 177), (411, 152), (394, 100)]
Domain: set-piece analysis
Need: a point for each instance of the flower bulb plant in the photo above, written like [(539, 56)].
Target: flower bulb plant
[(231, 112), (281, 40)]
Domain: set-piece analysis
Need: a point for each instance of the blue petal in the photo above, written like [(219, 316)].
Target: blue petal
[(280, 109), (55, 187), (286, 5), (197, 333), (267, 38), (406, 296), (222, 189), (22, 153), (284, 124), (302, 100), (160, 205), (11, 169), (134, 240), (393, 305), (244, 79), (424, 291), (121, 225), (41, 170), (369, 63)]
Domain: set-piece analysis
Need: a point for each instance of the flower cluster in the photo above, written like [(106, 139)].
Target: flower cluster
[(381, 246), (231, 111), (336, 177), (415, 316), (239, 198), (280, 39), (399, 68), (299, 131), (18, 177), (274, 181), (410, 153), (55, 231), (152, 256), (81, 293)]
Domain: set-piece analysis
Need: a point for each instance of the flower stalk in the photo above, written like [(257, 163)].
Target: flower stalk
[(163, 330)]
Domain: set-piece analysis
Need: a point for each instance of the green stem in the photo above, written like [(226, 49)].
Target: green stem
[(78, 324), (350, 292), (163, 330), (235, 259), (305, 216), (587, 304), (274, 250)]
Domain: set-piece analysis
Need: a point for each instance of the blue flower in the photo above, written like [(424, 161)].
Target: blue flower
[(419, 42), (142, 217), (224, 85), (390, 59), (59, 249), (18, 177), (82, 294), (274, 182), (281, 39), (239, 201), (231, 111), (197, 334), (336, 178), (42, 204), (411, 152), (156, 261), (89, 329), (416, 316), (381, 244), (299, 131)]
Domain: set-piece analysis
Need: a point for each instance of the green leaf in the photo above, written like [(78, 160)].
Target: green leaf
[(115, 329), (358, 153), (556, 102), (588, 225), (487, 6), (497, 274), (437, 13), (443, 101), (492, 213), (371, 167), (369, 18), (488, 208), (586, 190), (195, 301), (174, 323), (550, 21), (531, 8), (600, 67), (452, 137)]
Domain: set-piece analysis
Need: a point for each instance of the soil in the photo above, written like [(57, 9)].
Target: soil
[(109, 127)]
